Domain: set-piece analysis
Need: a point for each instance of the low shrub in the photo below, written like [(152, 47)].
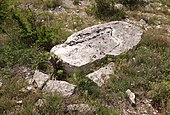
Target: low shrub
[(145, 69), (105, 111), (160, 94), (85, 86), (132, 4), (52, 105), (104, 9), (52, 3), (76, 2)]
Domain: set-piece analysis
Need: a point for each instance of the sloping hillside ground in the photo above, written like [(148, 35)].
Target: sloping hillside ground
[(26, 40)]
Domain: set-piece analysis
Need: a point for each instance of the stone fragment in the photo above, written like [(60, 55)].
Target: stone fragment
[(62, 87), (79, 107), (118, 7), (19, 102), (39, 79), (102, 75), (1, 84), (90, 46), (40, 102), (27, 89), (131, 96)]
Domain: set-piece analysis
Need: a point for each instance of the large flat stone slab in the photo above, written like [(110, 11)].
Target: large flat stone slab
[(102, 75), (89, 46), (62, 87)]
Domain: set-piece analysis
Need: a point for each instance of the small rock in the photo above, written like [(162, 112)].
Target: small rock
[(142, 22), (79, 107), (40, 102), (19, 102), (39, 79), (1, 83), (27, 89), (131, 96), (149, 7), (168, 10), (59, 7), (144, 113), (118, 6), (102, 75), (62, 87)]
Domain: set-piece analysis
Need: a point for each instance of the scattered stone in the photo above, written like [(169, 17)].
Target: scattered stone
[(144, 113), (40, 102), (141, 23), (27, 89), (19, 102), (62, 87), (168, 10), (131, 96), (1, 83), (27, 73), (156, 4), (147, 104), (130, 112), (80, 107), (39, 79), (118, 7), (101, 76), (149, 7), (57, 10), (68, 4), (89, 46)]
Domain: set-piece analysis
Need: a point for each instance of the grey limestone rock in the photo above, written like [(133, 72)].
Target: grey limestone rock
[(39, 79), (62, 87), (91, 45), (101, 76), (131, 96)]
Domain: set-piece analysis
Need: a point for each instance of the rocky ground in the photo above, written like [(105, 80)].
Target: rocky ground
[(103, 92)]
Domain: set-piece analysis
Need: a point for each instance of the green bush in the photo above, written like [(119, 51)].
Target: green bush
[(132, 4), (104, 9), (160, 93), (30, 32), (52, 3), (105, 111), (85, 86), (27, 37), (53, 105)]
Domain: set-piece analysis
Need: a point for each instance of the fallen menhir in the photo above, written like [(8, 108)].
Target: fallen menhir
[(91, 46)]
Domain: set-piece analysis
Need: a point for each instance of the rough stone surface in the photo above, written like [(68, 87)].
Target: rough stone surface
[(79, 107), (102, 75), (39, 79), (62, 87), (93, 44), (131, 96)]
